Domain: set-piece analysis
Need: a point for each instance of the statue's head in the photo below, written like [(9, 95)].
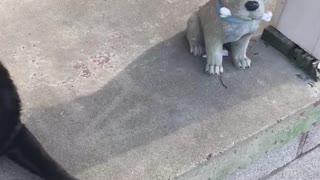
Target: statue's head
[(245, 9)]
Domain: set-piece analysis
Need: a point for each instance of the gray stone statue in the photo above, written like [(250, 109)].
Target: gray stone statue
[(225, 21)]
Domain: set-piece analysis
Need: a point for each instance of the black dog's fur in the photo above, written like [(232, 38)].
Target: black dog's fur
[(17, 142)]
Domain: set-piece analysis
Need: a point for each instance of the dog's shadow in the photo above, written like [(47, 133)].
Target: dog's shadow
[(162, 91)]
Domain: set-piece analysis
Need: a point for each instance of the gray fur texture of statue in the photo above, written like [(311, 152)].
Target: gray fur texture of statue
[(225, 21)]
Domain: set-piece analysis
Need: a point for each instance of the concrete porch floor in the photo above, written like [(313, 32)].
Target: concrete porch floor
[(111, 91)]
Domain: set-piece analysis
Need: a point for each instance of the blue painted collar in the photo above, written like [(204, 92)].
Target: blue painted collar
[(230, 19)]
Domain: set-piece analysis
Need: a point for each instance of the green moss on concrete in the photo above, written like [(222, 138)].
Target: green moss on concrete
[(246, 152)]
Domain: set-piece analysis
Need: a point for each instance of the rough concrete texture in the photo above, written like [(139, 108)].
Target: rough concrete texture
[(250, 150), (111, 91), (267, 164), (313, 138), (305, 168), (286, 163)]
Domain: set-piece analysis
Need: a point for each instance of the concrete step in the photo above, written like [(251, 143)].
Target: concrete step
[(296, 160), (111, 91)]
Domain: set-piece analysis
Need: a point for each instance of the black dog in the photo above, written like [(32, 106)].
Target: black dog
[(17, 142)]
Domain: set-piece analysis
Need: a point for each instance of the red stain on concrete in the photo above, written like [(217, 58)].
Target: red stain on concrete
[(84, 70), (99, 61), (102, 61), (316, 104)]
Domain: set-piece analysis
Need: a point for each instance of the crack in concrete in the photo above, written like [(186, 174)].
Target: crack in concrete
[(302, 143), (301, 155)]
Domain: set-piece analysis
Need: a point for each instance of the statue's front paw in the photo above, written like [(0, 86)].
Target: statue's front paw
[(214, 68), (197, 49), (242, 63)]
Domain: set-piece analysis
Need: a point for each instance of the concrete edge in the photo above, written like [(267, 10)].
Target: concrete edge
[(248, 151), (299, 57)]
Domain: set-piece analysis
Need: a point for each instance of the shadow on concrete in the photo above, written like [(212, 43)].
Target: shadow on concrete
[(163, 90)]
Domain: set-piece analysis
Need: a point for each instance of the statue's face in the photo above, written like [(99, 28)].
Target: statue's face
[(245, 9)]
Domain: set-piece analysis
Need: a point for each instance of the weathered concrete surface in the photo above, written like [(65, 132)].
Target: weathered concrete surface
[(298, 159), (305, 168), (284, 164), (269, 140), (293, 157), (313, 139), (264, 166), (111, 91)]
